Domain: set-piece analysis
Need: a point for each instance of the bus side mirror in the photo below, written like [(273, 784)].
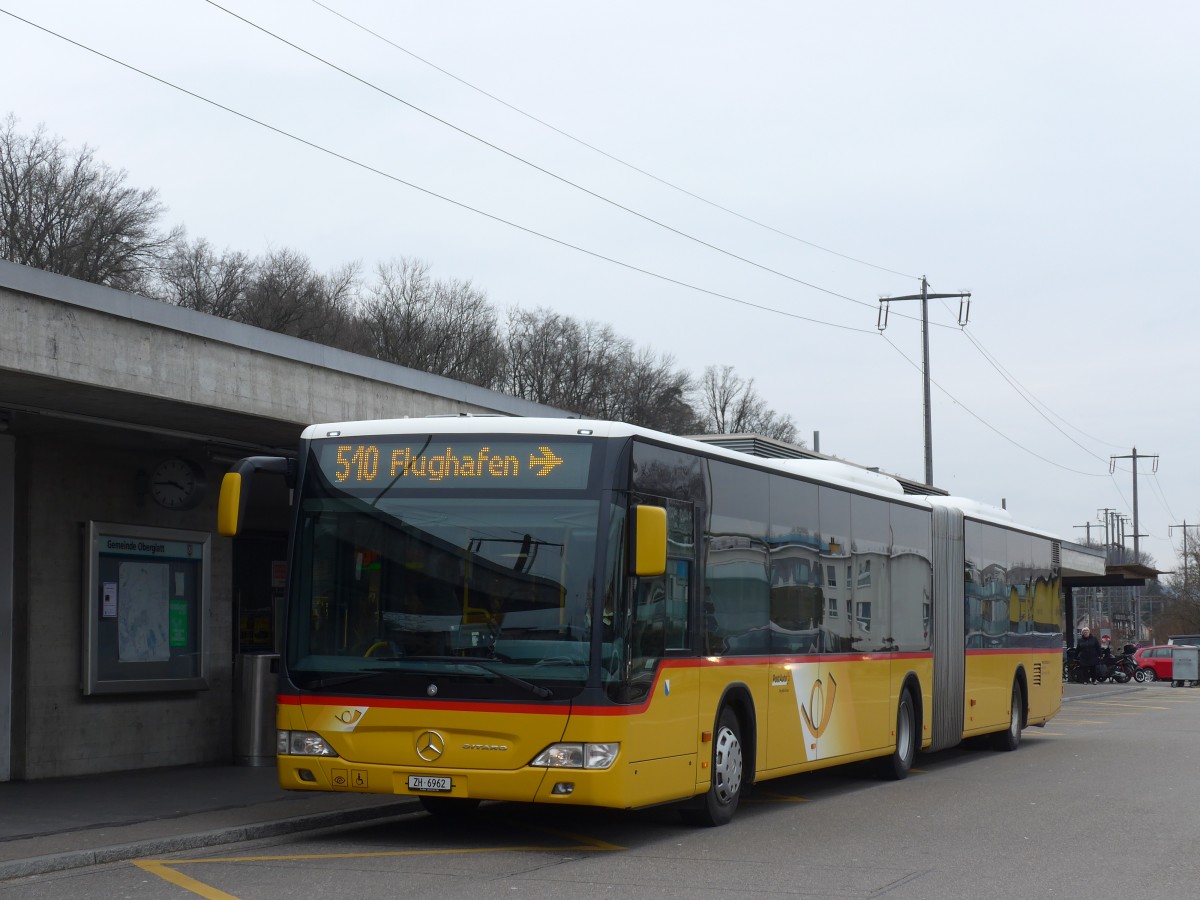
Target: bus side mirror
[(649, 540), (235, 489)]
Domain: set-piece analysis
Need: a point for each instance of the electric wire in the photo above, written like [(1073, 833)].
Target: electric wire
[(1162, 495), (605, 153), (987, 424), (1032, 398), (461, 205), (283, 133), (544, 171), (1020, 391)]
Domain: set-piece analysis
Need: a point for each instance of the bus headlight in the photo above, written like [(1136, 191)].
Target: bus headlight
[(577, 756), (302, 743)]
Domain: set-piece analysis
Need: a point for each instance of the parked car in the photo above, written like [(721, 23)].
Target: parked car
[(1155, 663)]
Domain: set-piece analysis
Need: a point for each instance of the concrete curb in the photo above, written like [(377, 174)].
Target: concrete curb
[(57, 862)]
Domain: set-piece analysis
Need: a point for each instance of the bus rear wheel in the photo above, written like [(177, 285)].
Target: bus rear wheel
[(719, 803), (1010, 738), (897, 765)]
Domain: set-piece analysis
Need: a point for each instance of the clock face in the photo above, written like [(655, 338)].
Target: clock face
[(177, 484)]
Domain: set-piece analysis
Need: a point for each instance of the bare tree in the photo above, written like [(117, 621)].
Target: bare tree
[(561, 361), (285, 294), (195, 277), (586, 367), (540, 344), (444, 327), (64, 212), (653, 393), (728, 404)]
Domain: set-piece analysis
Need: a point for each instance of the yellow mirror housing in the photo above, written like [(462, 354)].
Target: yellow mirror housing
[(650, 540)]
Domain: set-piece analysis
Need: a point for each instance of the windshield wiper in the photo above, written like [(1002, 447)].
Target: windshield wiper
[(542, 693), (321, 684)]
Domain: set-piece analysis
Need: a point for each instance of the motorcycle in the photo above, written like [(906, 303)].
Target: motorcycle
[(1115, 668), (1119, 668)]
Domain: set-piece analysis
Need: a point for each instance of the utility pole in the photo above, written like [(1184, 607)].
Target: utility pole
[(1185, 526), (1112, 466), (1088, 526), (1107, 532), (964, 314)]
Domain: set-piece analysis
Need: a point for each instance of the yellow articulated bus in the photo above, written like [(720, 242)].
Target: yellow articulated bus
[(581, 612)]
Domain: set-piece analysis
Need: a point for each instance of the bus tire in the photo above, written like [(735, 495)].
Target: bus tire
[(718, 804), (897, 766), (449, 807), (1010, 738)]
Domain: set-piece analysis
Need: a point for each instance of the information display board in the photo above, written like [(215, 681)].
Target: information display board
[(145, 608)]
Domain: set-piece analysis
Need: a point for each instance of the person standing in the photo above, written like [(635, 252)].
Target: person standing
[(1087, 652)]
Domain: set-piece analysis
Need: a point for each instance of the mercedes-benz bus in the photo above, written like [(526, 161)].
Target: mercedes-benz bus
[(567, 612)]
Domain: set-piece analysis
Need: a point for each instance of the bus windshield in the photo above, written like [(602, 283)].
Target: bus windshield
[(491, 595)]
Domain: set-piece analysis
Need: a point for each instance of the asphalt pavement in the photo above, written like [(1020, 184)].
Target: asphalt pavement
[(64, 823)]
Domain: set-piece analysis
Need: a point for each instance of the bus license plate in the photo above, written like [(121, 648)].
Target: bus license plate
[(429, 783)]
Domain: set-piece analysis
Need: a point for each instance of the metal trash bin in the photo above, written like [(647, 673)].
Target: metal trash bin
[(1185, 665), (255, 676)]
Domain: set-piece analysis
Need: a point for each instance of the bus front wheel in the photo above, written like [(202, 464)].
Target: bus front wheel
[(718, 804)]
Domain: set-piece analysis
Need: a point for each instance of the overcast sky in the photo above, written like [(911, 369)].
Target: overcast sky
[(1042, 156)]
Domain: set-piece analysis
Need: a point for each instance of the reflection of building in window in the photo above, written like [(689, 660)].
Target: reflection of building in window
[(833, 608), (831, 576), (863, 619), (864, 574)]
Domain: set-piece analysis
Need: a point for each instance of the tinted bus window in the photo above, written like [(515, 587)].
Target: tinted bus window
[(736, 583), (911, 578), (839, 576), (797, 601), (871, 547)]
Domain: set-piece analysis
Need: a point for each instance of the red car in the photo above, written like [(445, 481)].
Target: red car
[(1154, 663)]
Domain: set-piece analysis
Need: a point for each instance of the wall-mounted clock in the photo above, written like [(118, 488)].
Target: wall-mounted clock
[(177, 483)]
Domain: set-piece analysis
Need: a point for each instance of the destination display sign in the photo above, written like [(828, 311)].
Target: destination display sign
[(456, 464)]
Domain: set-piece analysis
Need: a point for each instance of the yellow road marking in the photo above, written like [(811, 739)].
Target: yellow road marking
[(761, 796), (588, 843), (166, 873), (166, 869)]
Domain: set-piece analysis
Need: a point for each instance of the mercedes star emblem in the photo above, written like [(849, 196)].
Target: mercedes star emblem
[(430, 746)]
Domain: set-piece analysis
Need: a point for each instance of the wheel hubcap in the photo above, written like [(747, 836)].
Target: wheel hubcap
[(904, 729), (727, 766)]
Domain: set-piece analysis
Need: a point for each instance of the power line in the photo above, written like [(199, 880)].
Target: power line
[(535, 166), (1023, 394), (605, 153), (988, 425), (1029, 397), (461, 205), (1161, 495)]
